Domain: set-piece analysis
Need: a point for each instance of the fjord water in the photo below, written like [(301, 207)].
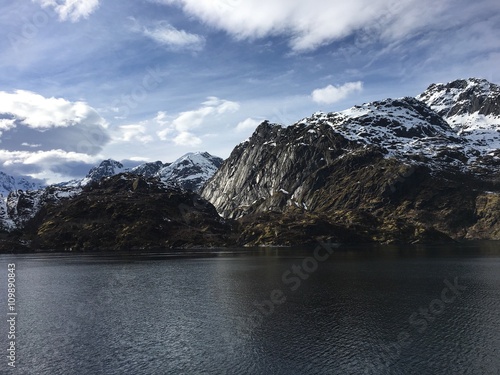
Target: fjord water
[(384, 310)]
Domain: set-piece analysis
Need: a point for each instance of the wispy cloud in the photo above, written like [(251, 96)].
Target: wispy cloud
[(315, 23), (180, 129), (332, 94), (167, 35), (72, 10)]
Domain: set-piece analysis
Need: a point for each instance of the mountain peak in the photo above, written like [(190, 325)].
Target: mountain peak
[(471, 107), (106, 168), (463, 97), (191, 170)]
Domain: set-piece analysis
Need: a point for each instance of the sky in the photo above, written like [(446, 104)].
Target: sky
[(146, 80)]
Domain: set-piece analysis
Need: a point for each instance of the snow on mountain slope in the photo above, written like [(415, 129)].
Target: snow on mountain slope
[(22, 199), (10, 183), (107, 168), (149, 169), (471, 107), (403, 128), (190, 171)]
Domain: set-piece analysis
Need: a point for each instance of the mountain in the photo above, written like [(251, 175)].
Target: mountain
[(407, 170), (471, 107), (190, 171), (388, 171), (23, 200), (106, 168), (10, 183), (149, 169), (126, 212)]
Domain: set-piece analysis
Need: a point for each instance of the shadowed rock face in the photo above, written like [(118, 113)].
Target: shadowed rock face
[(126, 212)]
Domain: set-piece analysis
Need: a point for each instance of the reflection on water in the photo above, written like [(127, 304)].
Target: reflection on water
[(380, 310)]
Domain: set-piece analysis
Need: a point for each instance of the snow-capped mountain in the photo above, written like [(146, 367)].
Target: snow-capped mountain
[(286, 166), (107, 168), (190, 171), (404, 128), (472, 109), (22, 199), (395, 170), (149, 169), (10, 183)]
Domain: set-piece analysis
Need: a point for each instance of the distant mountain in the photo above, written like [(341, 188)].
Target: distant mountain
[(190, 171), (23, 200), (10, 183), (107, 168), (149, 169)]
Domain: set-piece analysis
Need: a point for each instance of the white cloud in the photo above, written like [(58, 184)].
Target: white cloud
[(37, 112), (27, 118), (187, 139), (52, 165), (332, 94), (71, 9), (248, 124), (180, 128), (133, 133), (175, 39), (7, 124), (313, 23), (32, 145)]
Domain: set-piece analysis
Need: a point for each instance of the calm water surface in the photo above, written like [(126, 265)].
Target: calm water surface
[(427, 310)]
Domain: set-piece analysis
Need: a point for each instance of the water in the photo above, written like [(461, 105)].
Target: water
[(246, 312)]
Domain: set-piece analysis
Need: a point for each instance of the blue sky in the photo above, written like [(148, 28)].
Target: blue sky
[(147, 80)]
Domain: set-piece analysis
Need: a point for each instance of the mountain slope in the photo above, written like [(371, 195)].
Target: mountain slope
[(190, 171), (471, 107), (387, 171), (291, 159), (10, 183), (394, 170), (126, 212)]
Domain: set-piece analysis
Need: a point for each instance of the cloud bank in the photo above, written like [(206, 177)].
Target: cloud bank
[(46, 135), (311, 24)]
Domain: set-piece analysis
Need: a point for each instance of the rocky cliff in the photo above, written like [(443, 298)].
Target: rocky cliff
[(388, 171)]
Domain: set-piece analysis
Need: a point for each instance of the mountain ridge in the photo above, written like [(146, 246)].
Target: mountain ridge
[(387, 168), (389, 171), (21, 205)]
